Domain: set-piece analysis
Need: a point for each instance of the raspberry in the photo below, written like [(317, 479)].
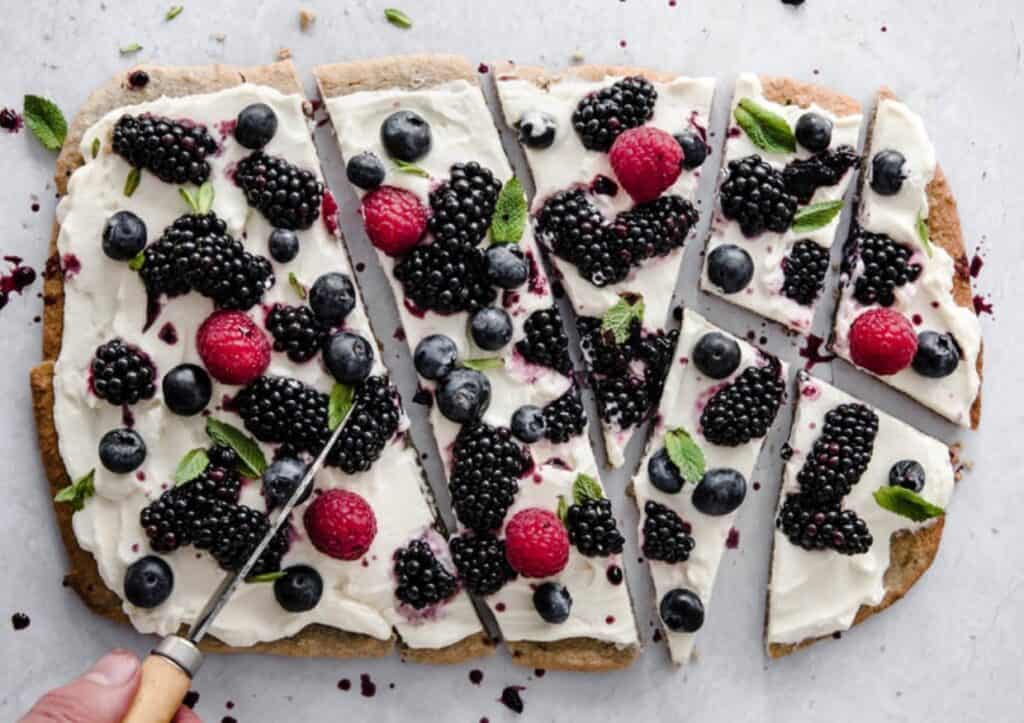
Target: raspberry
[(175, 151), (340, 524), (297, 331), (422, 579), (289, 197), (536, 543), (602, 115), (882, 341), (233, 348), (395, 219), (463, 205), (646, 161), (480, 560)]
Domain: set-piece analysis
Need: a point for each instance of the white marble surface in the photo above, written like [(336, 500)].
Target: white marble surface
[(951, 651)]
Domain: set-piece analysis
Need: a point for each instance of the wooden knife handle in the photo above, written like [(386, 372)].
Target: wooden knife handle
[(161, 691)]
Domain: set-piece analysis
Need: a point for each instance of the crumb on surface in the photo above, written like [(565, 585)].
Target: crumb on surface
[(284, 54), (577, 56), (219, 37), (306, 19)]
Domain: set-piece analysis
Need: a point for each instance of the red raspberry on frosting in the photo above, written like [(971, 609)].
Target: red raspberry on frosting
[(395, 219), (536, 543), (882, 341), (646, 160), (340, 524), (233, 348)]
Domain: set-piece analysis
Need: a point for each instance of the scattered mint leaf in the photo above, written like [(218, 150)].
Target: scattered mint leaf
[(76, 493), (193, 464), (482, 365), (296, 285), (46, 122), (95, 147), (563, 508), (398, 18), (586, 487), (191, 200), (132, 182), (685, 454), (509, 220), (619, 318), (266, 577), (412, 169), (173, 12), (129, 49), (924, 235), (339, 404), (906, 503), (252, 462), (766, 130), (138, 261), (204, 197), (815, 216)]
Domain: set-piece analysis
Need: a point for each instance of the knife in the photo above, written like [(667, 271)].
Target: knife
[(168, 670)]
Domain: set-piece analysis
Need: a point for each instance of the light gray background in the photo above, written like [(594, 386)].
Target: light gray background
[(950, 652)]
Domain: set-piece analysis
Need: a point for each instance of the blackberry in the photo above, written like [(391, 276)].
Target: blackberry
[(236, 531), (288, 196), (170, 520), (804, 269), (463, 205), (122, 373), (804, 176), (281, 409), (656, 227), (666, 536), (886, 267), (484, 480), (745, 409), (593, 529), (564, 418), (579, 234), (602, 115), (622, 400), (163, 272), (840, 454), (175, 151), (296, 331), (656, 350), (815, 527), (545, 342), (422, 579), (603, 354), (480, 560), (445, 277), (755, 195), (371, 424)]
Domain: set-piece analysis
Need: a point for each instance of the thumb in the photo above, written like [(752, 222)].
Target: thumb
[(101, 695)]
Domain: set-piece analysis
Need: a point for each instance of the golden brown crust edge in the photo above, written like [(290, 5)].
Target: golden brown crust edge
[(573, 654), (787, 91), (541, 77)]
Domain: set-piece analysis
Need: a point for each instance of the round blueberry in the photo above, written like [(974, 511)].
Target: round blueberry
[(887, 172), (730, 268), (814, 132), (506, 266), (405, 135), (464, 395), (122, 450), (256, 125), (332, 297), (663, 473), (695, 150), (284, 245), (299, 589), (553, 602), (491, 328), (716, 355), (937, 355), (681, 611), (124, 235), (719, 492), (280, 479), (907, 473), (528, 423), (187, 389), (536, 129), (435, 356), (349, 357), (148, 582), (365, 170)]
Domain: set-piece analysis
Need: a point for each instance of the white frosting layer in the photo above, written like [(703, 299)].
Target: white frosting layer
[(927, 302), (687, 390), (106, 300), (764, 293), (814, 593), (683, 104), (463, 130)]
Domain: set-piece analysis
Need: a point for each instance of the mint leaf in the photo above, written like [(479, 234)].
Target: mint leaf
[(173, 12), (412, 169), (619, 319), (95, 147), (924, 235), (339, 405), (482, 365), (563, 508), (45, 120), (296, 285), (138, 261), (397, 18), (685, 454), (193, 464), (76, 493), (266, 577), (132, 182), (766, 130), (509, 220), (191, 200), (129, 49), (586, 487), (252, 462), (204, 198), (815, 216), (906, 503)]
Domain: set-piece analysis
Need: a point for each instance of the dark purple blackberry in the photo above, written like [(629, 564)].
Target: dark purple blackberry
[(657, 350), (622, 401), (593, 529), (236, 530), (370, 425), (804, 269), (578, 233), (656, 227), (840, 454), (296, 331), (421, 579), (174, 151), (755, 195), (604, 114), (805, 176), (464, 204), (886, 266), (666, 537), (745, 409), (603, 355), (161, 272), (545, 342), (281, 409), (122, 373), (445, 277), (820, 527), (169, 521), (480, 560), (288, 196), (486, 465), (564, 418)]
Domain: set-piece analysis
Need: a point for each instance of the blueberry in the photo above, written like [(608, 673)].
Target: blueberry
[(716, 355), (148, 582), (663, 473), (814, 132), (187, 389), (730, 268), (256, 125), (332, 297), (435, 356), (405, 135), (464, 395), (284, 245), (280, 480), (491, 328), (349, 357), (887, 172), (122, 450), (365, 170), (695, 150), (506, 266), (681, 611), (553, 602), (937, 355), (528, 423), (300, 588), (720, 491), (907, 473), (124, 235), (536, 129)]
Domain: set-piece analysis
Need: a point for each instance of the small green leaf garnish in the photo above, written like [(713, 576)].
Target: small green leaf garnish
[(685, 454), (339, 404), (509, 220), (45, 120), (95, 147), (815, 216), (138, 261), (563, 508), (296, 285), (204, 197), (397, 18), (485, 363), (190, 200), (129, 49), (252, 463), (76, 493), (412, 169), (132, 181), (193, 464), (766, 130), (266, 577), (173, 12), (585, 487), (619, 319), (924, 235), (906, 503)]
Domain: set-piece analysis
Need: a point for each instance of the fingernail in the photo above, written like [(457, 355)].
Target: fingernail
[(114, 669)]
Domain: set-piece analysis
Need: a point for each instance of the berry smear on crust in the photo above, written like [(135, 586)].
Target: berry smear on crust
[(122, 374), (882, 341), (395, 219), (288, 196), (604, 114), (536, 543), (233, 348), (340, 524), (646, 161), (175, 151), (746, 408)]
